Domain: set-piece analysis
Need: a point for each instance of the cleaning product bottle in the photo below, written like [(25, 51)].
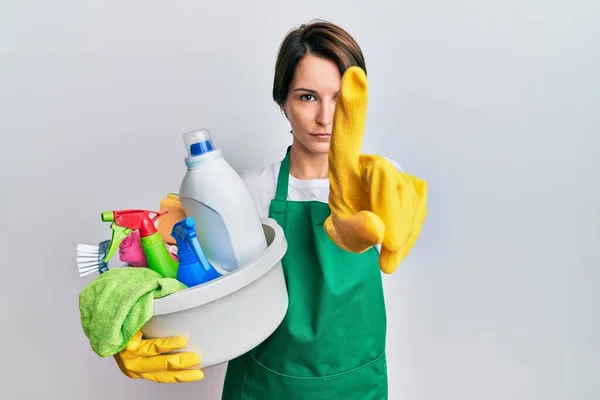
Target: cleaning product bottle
[(154, 247), (211, 192), (194, 268), (172, 206)]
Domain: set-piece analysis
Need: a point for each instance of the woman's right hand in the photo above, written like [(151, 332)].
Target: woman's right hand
[(144, 359)]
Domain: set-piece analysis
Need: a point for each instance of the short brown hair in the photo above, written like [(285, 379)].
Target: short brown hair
[(319, 38)]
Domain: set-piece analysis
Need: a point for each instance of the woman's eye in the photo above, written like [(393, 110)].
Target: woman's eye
[(307, 97)]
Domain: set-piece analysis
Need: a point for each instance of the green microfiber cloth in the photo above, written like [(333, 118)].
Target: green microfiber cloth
[(116, 305)]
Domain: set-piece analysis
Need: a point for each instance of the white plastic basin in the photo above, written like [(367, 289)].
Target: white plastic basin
[(228, 316)]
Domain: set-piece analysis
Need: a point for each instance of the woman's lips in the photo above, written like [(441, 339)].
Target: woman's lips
[(321, 136)]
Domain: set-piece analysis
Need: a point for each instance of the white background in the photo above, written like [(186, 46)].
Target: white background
[(494, 103)]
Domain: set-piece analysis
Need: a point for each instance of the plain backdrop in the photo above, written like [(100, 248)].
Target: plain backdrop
[(494, 103)]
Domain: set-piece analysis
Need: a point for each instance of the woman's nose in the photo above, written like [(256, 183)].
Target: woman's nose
[(325, 114)]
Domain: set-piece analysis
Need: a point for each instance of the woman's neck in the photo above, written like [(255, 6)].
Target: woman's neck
[(305, 165)]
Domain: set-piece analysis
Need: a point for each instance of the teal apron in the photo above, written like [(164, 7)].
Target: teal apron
[(331, 343)]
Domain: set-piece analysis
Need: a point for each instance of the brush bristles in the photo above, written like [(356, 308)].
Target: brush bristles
[(89, 258), (87, 248), (86, 273), (89, 266), (90, 263), (86, 269)]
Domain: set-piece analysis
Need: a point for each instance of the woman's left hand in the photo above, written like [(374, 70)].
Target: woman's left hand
[(371, 201)]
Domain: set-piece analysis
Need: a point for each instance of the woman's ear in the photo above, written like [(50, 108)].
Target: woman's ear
[(286, 116), (283, 110)]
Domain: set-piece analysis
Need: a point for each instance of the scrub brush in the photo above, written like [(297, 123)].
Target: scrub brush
[(90, 259)]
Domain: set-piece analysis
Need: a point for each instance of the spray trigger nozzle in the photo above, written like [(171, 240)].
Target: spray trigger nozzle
[(123, 222), (194, 267)]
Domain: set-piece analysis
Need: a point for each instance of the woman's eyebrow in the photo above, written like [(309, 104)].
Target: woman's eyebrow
[(305, 90)]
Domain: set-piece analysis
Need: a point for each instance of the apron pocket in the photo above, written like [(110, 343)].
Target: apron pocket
[(367, 382)]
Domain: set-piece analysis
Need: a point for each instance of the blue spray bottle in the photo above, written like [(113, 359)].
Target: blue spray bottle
[(194, 267)]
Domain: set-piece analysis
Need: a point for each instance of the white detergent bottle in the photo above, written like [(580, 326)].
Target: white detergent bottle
[(227, 224)]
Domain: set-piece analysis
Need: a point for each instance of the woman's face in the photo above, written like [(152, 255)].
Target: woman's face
[(310, 103)]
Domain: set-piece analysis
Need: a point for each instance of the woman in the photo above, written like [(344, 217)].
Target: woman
[(331, 344)]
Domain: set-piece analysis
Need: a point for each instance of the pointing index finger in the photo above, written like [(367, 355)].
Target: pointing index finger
[(349, 119)]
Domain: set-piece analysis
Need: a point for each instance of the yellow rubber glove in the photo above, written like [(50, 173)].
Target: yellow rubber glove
[(145, 359), (371, 201)]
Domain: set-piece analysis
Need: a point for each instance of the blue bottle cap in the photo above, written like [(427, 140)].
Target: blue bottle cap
[(198, 142)]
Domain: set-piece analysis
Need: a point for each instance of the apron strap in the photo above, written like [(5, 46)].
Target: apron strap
[(284, 178)]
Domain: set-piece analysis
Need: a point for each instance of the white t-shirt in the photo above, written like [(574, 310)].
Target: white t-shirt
[(262, 183)]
